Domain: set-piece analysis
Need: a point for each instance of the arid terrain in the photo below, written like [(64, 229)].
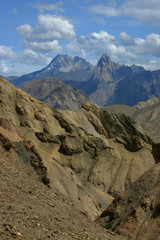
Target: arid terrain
[(146, 114), (60, 170)]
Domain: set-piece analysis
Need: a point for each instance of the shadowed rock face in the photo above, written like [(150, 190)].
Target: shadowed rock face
[(136, 212), (146, 114), (88, 156)]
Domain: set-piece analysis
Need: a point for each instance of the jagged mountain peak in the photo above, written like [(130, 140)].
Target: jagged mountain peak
[(106, 62), (65, 63), (64, 67), (60, 61), (105, 70), (137, 69), (105, 59)]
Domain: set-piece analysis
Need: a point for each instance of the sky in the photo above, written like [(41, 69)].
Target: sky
[(33, 32)]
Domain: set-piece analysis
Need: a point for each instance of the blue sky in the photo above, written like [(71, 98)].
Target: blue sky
[(34, 32)]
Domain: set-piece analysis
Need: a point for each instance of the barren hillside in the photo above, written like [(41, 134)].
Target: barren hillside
[(56, 165)]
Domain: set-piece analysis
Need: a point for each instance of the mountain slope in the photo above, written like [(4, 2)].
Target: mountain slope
[(85, 158), (56, 94), (74, 146), (147, 114), (29, 209)]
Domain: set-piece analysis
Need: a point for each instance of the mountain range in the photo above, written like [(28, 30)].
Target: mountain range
[(63, 170), (107, 83)]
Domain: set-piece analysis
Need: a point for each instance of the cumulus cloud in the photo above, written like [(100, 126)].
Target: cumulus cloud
[(49, 7), (3, 68), (30, 57), (48, 28), (98, 43), (147, 11), (6, 52), (45, 37), (152, 44), (52, 46), (126, 50), (25, 30), (126, 39)]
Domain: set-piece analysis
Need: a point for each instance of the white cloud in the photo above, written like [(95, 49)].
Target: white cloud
[(96, 43), (48, 28), (30, 57), (25, 30), (128, 50), (46, 34), (126, 39), (107, 10), (147, 11), (49, 7), (3, 68), (26, 58), (6, 52), (52, 46), (152, 44)]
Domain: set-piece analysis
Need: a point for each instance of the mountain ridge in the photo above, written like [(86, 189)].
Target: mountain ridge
[(107, 83)]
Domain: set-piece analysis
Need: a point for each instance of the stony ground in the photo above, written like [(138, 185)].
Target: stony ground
[(31, 211)]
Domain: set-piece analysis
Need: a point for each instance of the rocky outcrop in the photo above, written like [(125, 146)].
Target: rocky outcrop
[(136, 212), (146, 114)]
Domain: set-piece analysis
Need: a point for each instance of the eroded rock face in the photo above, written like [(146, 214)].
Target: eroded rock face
[(146, 114), (88, 156), (136, 212)]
